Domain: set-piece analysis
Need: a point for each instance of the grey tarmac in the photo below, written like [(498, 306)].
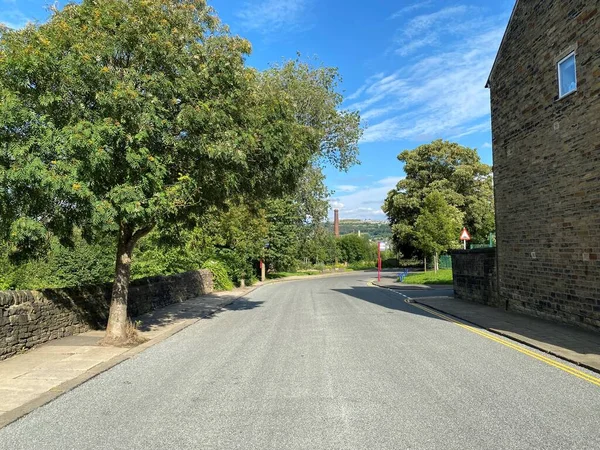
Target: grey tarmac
[(329, 363)]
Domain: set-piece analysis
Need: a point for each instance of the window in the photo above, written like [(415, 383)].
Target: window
[(567, 75)]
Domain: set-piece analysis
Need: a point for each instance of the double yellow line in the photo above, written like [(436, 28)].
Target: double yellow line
[(578, 373)]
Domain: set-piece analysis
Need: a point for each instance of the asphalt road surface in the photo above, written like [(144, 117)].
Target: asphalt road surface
[(329, 363)]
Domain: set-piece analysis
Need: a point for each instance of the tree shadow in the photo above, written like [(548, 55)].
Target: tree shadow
[(205, 307), (384, 298)]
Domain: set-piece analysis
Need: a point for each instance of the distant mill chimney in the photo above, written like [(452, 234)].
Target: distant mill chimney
[(336, 222)]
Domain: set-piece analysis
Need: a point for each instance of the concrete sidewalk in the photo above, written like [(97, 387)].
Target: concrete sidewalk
[(32, 379), (574, 344), (577, 345)]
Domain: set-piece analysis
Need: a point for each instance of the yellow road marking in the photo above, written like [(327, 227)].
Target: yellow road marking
[(578, 373)]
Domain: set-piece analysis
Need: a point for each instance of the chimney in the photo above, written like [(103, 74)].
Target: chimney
[(336, 222)]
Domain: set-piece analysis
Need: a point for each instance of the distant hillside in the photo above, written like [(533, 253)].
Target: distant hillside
[(377, 230)]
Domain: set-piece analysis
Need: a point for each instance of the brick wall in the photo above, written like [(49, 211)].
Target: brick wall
[(29, 318), (547, 163), (474, 273)]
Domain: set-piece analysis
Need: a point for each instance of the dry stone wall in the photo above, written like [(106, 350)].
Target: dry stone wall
[(474, 274), (29, 318)]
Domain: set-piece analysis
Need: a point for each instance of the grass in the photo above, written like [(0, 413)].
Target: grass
[(443, 276), (276, 275)]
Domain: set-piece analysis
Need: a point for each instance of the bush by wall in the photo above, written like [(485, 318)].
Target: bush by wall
[(221, 279)]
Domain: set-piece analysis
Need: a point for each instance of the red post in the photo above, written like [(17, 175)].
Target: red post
[(263, 271), (379, 261)]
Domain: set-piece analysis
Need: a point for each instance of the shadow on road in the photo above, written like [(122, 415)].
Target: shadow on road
[(198, 308), (384, 298)]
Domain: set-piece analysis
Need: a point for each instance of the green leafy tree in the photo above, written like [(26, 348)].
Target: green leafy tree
[(128, 116), (354, 248), (283, 239), (320, 246), (437, 227), (452, 170)]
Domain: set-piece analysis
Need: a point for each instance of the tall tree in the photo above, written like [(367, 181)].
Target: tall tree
[(354, 248), (437, 227), (452, 170), (125, 116)]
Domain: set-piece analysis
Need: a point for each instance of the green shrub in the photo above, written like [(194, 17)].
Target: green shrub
[(390, 263), (221, 279), (363, 265)]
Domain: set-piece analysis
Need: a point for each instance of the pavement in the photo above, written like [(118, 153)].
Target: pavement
[(324, 363), (32, 379), (571, 343)]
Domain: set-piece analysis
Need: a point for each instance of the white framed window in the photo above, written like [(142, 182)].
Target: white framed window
[(567, 75)]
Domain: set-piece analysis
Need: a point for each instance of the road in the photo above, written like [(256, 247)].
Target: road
[(328, 363)]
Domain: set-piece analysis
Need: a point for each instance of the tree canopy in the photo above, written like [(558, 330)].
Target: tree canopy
[(458, 175), (124, 116), (437, 227)]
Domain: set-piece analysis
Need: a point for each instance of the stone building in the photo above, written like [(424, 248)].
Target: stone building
[(545, 95)]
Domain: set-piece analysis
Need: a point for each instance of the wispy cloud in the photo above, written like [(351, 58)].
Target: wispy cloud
[(428, 30), (438, 93), (366, 202), (268, 16), (411, 8), (346, 188), (486, 145)]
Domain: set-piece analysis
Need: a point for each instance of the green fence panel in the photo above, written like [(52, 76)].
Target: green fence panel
[(445, 262)]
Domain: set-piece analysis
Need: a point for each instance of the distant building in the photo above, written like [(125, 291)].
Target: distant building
[(545, 94)]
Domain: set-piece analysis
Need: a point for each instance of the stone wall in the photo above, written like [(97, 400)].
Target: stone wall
[(29, 318), (547, 163), (474, 273)]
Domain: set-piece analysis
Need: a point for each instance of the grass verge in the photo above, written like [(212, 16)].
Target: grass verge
[(277, 275), (443, 276)]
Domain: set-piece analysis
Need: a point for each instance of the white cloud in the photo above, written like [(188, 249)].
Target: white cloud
[(486, 145), (268, 16), (442, 93), (411, 8), (426, 22), (346, 188), (366, 202)]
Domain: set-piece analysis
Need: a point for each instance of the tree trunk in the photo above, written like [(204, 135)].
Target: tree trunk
[(425, 263), (436, 260), (116, 330)]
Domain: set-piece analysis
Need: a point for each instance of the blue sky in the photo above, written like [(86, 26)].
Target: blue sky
[(415, 69)]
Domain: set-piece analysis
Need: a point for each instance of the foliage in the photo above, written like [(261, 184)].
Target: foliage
[(157, 257), (278, 275), (363, 265), (353, 248), (220, 276), (443, 276), (77, 265), (437, 225), (283, 238), (454, 171), (125, 116)]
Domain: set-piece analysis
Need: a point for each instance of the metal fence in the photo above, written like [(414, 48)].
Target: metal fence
[(445, 262), (490, 244)]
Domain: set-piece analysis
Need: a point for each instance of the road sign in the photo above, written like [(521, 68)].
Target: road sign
[(464, 235)]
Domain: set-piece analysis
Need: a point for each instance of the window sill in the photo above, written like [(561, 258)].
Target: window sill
[(566, 95)]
